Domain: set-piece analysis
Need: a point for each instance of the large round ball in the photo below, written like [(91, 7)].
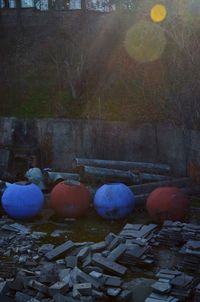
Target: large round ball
[(114, 201), (22, 201), (168, 203), (70, 200)]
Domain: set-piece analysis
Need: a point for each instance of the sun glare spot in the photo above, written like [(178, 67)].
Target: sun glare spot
[(145, 41), (158, 13)]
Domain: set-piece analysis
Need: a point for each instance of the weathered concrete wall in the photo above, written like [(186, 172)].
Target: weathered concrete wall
[(96, 139), (64, 139)]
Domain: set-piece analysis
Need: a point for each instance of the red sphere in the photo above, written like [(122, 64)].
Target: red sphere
[(168, 203), (70, 200)]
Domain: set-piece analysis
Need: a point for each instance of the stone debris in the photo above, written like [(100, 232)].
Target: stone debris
[(172, 286), (59, 250), (190, 253), (176, 233), (197, 293), (131, 231), (108, 265), (170, 234), (88, 271)]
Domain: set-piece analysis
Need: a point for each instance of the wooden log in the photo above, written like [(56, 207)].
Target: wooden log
[(149, 187), (140, 200), (147, 177), (123, 165), (56, 176), (96, 174)]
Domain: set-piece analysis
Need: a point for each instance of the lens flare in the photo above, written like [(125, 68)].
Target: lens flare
[(188, 11), (158, 13), (145, 41)]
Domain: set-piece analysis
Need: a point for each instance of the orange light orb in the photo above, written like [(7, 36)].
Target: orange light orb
[(158, 13)]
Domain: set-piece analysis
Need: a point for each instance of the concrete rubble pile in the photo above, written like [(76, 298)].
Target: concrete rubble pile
[(88, 271), (172, 286), (197, 293), (72, 271), (191, 255), (176, 233)]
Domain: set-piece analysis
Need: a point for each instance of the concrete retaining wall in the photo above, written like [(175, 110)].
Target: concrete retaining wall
[(63, 140)]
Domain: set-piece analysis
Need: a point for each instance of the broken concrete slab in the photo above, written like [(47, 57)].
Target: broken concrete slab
[(161, 287), (113, 292), (58, 287), (59, 250), (85, 289), (83, 277), (3, 288), (117, 252), (109, 265)]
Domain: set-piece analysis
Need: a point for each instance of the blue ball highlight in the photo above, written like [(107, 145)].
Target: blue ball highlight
[(22, 201), (114, 201)]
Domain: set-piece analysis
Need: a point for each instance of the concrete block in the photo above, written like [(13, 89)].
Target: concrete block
[(59, 250), (98, 294), (89, 269), (61, 298), (125, 295), (87, 261), (105, 253), (76, 294), (38, 286), (16, 284), (71, 261), (84, 278), (45, 248), (108, 265), (85, 289), (83, 253), (64, 273), (114, 243), (98, 247), (161, 287), (117, 252), (47, 278), (34, 300), (109, 238), (21, 297), (113, 281), (58, 287), (95, 274), (113, 292), (3, 288)]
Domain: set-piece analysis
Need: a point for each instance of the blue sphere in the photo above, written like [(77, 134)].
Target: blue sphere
[(22, 201), (114, 201)]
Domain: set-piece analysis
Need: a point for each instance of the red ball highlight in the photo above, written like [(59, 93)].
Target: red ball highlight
[(70, 201), (168, 203)]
